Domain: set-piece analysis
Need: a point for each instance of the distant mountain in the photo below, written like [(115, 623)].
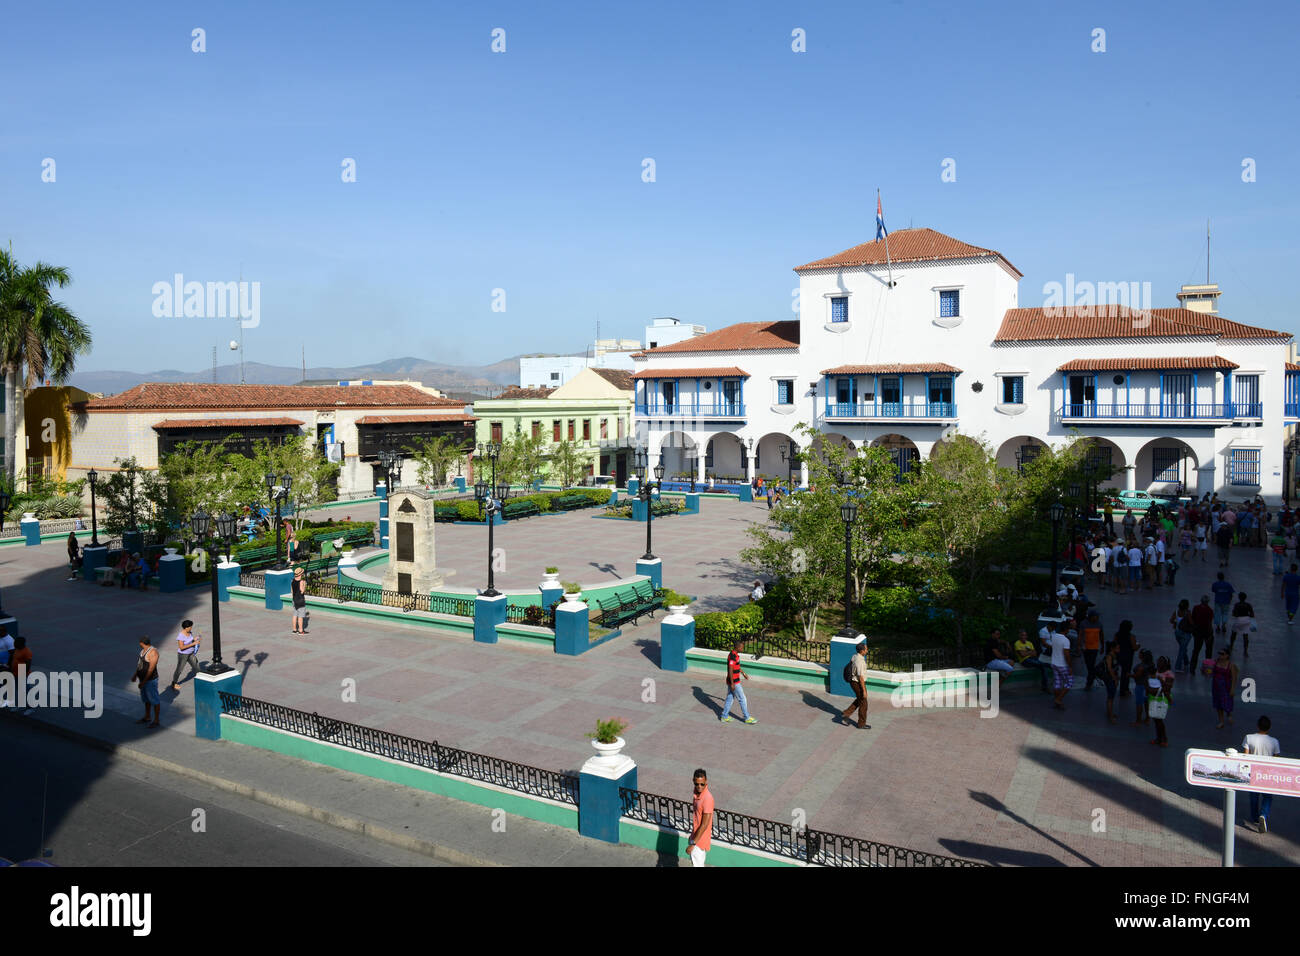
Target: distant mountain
[(476, 379)]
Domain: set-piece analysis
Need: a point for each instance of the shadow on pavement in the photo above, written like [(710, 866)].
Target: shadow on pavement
[(649, 650), (997, 855), (812, 700), (708, 700), (994, 803)]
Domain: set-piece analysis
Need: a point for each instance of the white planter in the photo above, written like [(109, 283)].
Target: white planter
[(609, 752), (551, 580), (170, 550), (676, 609), (29, 515), (573, 598)]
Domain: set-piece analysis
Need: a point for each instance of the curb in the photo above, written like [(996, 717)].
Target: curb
[(337, 820)]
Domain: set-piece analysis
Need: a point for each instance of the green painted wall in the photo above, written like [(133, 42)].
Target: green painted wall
[(672, 843)]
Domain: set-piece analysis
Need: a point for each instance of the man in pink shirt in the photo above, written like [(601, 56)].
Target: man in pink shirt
[(701, 819)]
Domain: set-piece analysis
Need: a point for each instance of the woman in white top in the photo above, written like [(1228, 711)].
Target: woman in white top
[(1202, 542)]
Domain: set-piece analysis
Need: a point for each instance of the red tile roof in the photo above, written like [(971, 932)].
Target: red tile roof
[(153, 395), (518, 391), (1146, 364), (907, 245), (1292, 367), (225, 422), (728, 372), (402, 419), (741, 337), (1119, 322), (619, 378), (924, 367)]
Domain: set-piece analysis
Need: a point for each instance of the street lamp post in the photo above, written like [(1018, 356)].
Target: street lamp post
[(483, 494), (848, 514), (278, 493), (93, 475), (1057, 510), (223, 531), (645, 493)]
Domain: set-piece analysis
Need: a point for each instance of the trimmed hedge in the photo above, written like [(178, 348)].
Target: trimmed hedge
[(467, 510), (745, 621), (325, 530)]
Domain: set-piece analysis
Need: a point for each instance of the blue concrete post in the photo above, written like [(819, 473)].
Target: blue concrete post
[(277, 585), (383, 532), (133, 541), (550, 594), (638, 509), (459, 482), (92, 558), (842, 651), (571, 628), (31, 528), (613, 497), (676, 637), (207, 703), (381, 492), (10, 624), (653, 569), (633, 486), (692, 505), (746, 492), (601, 807), (171, 573), (488, 613), (537, 484), (227, 578)]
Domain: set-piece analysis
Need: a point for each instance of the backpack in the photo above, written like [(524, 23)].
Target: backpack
[(1121, 558), (848, 671)]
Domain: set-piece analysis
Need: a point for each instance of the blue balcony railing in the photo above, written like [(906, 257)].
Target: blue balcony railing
[(891, 410), (1177, 412), (1292, 410), (692, 410)]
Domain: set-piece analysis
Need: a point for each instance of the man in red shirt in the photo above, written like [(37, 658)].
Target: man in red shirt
[(734, 676), (701, 819), (1202, 633)]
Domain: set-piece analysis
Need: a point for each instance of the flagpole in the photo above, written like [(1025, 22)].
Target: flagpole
[(888, 263)]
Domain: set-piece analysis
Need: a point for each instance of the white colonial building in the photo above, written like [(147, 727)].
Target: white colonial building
[(930, 343)]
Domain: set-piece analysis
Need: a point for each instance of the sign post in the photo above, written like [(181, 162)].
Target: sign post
[(1231, 771)]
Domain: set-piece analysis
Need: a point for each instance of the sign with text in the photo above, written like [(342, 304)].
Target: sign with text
[(1237, 771)]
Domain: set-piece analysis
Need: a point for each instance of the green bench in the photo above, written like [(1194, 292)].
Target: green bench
[(661, 508), (446, 513), (519, 509), (250, 559), (569, 502), (650, 596), (614, 612)]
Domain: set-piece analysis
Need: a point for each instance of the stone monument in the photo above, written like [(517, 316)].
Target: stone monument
[(412, 565)]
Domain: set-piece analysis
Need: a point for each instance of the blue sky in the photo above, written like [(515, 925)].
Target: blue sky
[(522, 170)]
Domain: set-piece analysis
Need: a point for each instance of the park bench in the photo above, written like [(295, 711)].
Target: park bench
[(251, 559), (661, 508), (649, 595), (446, 513), (636, 604), (519, 509), (614, 612), (569, 502)]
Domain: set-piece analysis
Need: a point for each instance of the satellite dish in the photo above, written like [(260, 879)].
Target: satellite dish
[(234, 346)]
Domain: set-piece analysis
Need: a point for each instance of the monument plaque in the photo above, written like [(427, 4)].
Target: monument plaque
[(412, 565)]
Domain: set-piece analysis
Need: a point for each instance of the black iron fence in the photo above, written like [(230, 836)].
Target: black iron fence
[(533, 614), (355, 593), (431, 755), (780, 839), (819, 652), (253, 579)]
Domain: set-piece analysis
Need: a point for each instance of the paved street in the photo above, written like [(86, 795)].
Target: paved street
[(1021, 788)]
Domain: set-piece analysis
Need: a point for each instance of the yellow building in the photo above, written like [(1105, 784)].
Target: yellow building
[(45, 429)]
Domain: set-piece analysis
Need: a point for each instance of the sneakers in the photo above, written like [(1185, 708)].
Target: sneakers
[(726, 719), (1263, 824), (751, 720)]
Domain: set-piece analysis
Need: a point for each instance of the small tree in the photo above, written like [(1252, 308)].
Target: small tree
[(312, 476), (802, 546), (197, 475), (435, 458), (124, 501), (523, 458), (569, 461)]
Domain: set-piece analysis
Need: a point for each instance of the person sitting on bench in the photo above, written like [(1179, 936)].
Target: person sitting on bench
[(133, 574)]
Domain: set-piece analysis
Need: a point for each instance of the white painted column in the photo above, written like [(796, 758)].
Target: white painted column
[(1130, 477), (699, 463), (1205, 479)]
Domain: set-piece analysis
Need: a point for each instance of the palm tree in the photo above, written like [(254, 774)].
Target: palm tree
[(37, 335)]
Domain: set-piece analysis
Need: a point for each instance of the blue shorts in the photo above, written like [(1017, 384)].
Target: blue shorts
[(1004, 666), (149, 691), (1135, 572), (1292, 602)]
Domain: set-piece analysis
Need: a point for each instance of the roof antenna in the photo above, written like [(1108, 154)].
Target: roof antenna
[(1207, 252), (241, 330)]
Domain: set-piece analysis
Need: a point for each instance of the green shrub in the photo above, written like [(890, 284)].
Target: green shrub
[(743, 622), (672, 597), (56, 506)]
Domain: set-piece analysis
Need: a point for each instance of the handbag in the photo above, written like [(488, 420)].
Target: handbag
[(1158, 707)]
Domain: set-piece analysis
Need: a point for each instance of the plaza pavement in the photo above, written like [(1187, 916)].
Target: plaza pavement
[(1020, 788)]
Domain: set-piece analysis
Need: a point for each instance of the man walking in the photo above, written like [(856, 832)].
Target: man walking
[(1223, 592), (1291, 592), (1202, 633), (146, 675), (1063, 679), (1261, 744), (858, 681), (734, 676), (187, 647), (701, 819), (1223, 541), (1091, 636)]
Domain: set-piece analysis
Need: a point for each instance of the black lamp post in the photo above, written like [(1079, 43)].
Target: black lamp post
[(793, 450), (224, 530), (391, 459), (1056, 511), (848, 514), (93, 475), (278, 493), (489, 506), (645, 493)]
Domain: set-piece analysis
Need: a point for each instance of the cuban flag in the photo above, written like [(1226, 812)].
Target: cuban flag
[(881, 231)]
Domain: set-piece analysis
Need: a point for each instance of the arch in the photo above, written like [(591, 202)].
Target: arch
[(726, 456), (1106, 452), (770, 460), (952, 440), (676, 449), (1013, 452), (1166, 465), (903, 450)]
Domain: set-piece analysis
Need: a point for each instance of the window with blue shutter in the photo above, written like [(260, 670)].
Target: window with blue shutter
[(949, 303), (840, 308), (1243, 466), (1165, 463), (785, 391), (1245, 393), (1013, 390)]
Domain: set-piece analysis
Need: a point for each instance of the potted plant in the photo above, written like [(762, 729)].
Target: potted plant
[(676, 603), (606, 739), (572, 592), (551, 577)]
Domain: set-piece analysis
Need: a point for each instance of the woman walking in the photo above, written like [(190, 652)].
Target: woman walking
[(1185, 544), (299, 589), (1243, 622), (74, 556), (1181, 619), (1223, 684), (1142, 673), (1128, 646), (1162, 687), (1108, 671)]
